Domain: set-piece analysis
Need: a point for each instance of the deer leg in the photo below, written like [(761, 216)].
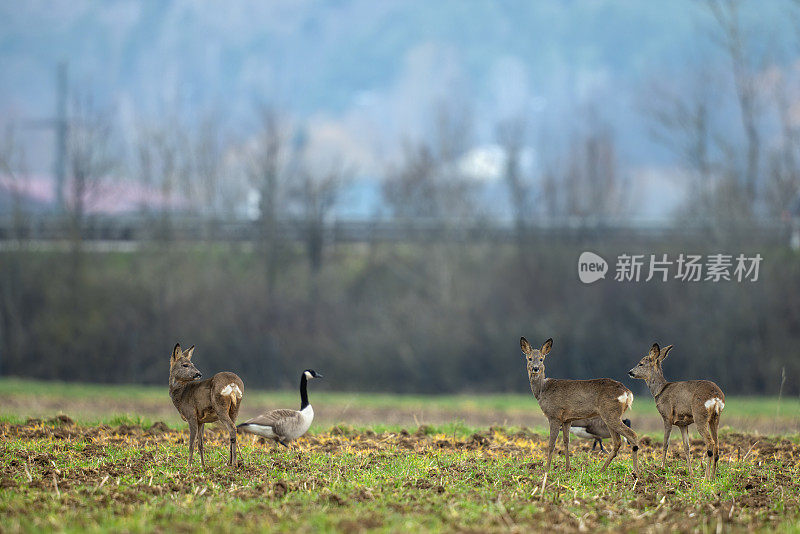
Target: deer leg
[(685, 439), (192, 436), (620, 428), (565, 431), (555, 426), (667, 433), (200, 448), (702, 419), (222, 408), (709, 449), (714, 427), (616, 443)]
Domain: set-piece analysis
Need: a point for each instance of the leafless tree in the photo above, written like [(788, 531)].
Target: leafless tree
[(511, 137), (162, 167), (314, 195), (410, 187), (207, 170), (428, 184), (682, 122), (593, 185), (726, 15), (12, 173), (268, 171), (89, 163), (783, 159)]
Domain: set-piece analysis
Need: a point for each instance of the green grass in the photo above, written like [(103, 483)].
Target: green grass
[(336, 481)]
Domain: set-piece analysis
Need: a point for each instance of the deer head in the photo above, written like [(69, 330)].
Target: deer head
[(534, 358), (181, 368), (649, 367)]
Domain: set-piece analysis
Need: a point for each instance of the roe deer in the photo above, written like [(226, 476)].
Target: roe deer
[(683, 403), (204, 401), (563, 401)]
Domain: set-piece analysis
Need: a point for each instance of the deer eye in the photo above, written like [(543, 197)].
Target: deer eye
[(185, 365)]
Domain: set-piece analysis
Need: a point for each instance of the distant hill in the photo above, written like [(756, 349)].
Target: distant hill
[(377, 69)]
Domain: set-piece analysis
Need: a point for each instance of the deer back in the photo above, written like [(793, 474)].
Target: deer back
[(567, 400), (681, 399)]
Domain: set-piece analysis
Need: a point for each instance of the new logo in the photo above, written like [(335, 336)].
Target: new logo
[(591, 267)]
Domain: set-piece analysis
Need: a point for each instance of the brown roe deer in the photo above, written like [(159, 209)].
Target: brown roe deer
[(204, 401), (563, 401), (682, 403)]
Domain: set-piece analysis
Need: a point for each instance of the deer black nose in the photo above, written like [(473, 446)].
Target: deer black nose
[(198, 375), (630, 373), (535, 369)]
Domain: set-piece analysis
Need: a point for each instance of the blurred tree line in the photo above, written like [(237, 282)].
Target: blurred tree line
[(432, 314)]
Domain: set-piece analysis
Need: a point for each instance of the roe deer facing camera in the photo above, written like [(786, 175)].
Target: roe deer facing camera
[(204, 401), (683, 403), (563, 401)]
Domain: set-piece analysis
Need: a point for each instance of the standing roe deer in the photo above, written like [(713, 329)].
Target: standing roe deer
[(683, 403), (204, 401), (563, 401)]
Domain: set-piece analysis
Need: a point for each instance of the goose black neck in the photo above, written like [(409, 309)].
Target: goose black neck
[(303, 391)]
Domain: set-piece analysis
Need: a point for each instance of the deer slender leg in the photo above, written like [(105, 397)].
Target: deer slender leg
[(685, 439), (200, 448), (555, 426), (620, 428), (714, 427), (565, 431), (667, 433), (702, 419), (192, 436), (222, 409), (616, 443)]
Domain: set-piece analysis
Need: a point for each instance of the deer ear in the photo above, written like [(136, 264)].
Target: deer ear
[(664, 352), (547, 346), (525, 346), (189, 352), (176, 352), (654, 350)]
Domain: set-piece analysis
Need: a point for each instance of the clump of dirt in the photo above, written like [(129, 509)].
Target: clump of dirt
[(158, 428), (280, 488), (63, 420)]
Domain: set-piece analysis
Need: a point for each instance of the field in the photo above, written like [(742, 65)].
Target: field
[(111, 468)]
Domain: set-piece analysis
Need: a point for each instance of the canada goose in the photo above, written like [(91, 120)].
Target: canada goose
[(285, 425), (595, 429)]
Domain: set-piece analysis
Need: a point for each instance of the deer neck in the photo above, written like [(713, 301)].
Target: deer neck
[(537, 383), (656, 383), (175, 386)]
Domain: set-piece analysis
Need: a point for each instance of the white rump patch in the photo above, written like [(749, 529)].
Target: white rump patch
[(626, 399), (714, 404), (232, 391)]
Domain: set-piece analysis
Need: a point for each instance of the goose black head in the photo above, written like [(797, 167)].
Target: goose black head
[(310, 373)]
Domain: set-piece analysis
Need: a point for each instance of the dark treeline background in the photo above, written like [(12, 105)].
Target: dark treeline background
[(206, 161), (411, 317)]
